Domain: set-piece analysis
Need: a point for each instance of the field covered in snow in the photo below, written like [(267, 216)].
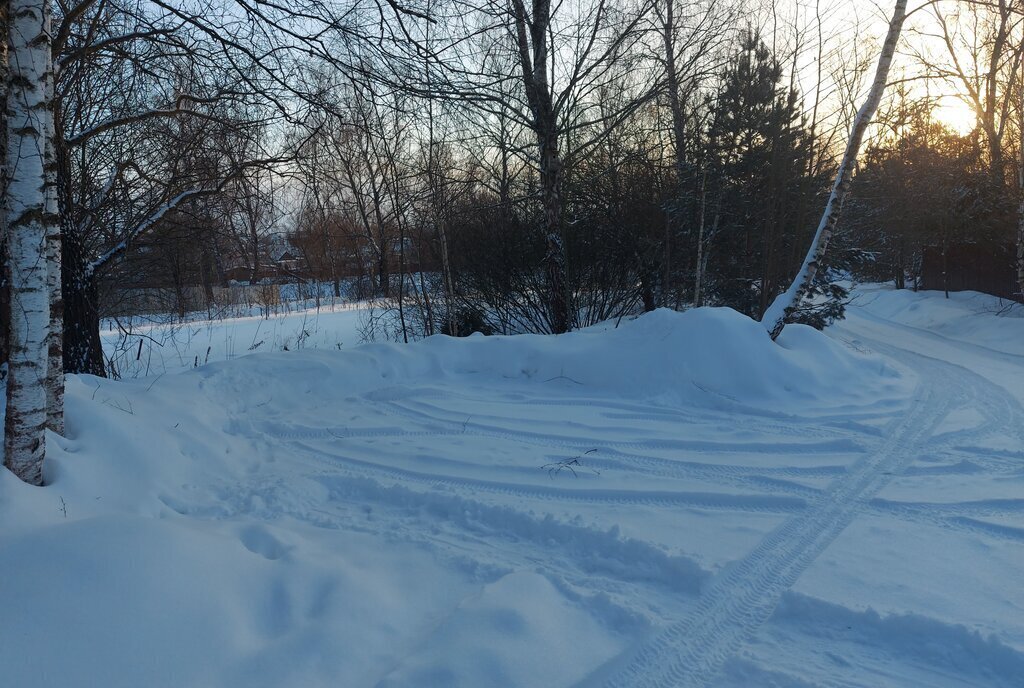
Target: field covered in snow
[(142, 347), (674, 502)]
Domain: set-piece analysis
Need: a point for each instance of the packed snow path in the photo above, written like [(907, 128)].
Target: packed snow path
[(553, 513), (691, 652)]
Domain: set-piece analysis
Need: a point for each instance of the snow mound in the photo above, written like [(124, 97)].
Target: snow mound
[(487, 641), (704, 356)]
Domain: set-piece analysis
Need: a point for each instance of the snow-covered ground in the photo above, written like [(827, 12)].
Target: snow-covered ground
[(675, 502), (143, 348)]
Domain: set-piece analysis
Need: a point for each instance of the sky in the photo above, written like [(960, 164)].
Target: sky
[(852, 32)]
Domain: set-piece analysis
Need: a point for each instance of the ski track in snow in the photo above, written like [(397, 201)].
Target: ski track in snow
[(692, 651), (718, 613)]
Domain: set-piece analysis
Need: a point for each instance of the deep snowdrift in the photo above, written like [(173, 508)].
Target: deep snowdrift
[(408, 515), (694, 356)]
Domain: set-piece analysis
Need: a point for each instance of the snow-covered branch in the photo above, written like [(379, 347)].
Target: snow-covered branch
[(177, 108), (121, 246)]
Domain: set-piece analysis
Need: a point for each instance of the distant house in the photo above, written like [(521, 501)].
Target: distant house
[(288, 262)]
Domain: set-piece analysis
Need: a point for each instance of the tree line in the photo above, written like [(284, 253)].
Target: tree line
[(481, 166)]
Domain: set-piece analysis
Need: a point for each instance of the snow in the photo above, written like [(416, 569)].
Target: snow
[(675, 501), (175, 346), (960, 318)]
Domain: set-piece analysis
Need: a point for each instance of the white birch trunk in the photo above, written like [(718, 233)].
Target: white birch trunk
[(55, 346), (1020, 202), (776, 315), (28, 125)]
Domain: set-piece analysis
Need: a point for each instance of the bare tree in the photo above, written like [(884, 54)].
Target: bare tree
[(692, 34), (984, 47), (560, 54)]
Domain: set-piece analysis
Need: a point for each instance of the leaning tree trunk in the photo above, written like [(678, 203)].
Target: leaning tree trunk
[(776, 316), (28, 126)]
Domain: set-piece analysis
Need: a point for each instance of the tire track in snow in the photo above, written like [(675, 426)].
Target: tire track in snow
[(826, 438), (668, 468), (982, 507), (474, 429), (767, 479), (593, 552), (1002, 410), (964, 523), (609, 458), (593, 560), (692, 651), (772, 504), (763, 420), (977, 349)]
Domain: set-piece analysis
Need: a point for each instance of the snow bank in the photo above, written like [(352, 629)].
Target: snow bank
[(179, 544), (940, 646), (705, 356), (489, 640)]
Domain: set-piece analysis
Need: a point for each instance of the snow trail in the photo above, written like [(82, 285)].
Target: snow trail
[(692, 651)]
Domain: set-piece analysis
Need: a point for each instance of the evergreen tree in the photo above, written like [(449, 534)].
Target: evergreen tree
[(925, 185), (760, 159)]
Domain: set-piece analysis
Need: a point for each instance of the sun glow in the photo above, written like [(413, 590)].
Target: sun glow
[(957, 115)]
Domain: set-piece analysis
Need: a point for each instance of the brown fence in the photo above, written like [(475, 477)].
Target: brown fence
[(988, 268), (154, 301)]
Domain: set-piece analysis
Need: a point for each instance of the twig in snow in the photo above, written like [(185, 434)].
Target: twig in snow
[(130, 410), (157, 379), (563, 377), (570, 465)]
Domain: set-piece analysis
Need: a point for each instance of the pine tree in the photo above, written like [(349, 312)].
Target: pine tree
[(759, 151)]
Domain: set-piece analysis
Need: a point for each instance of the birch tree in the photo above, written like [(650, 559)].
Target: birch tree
[(54, 262), (29, 124), (775, 317)]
